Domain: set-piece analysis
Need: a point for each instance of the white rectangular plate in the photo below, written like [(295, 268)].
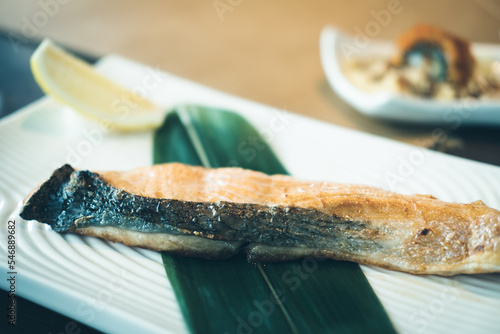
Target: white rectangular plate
[(116, 289)]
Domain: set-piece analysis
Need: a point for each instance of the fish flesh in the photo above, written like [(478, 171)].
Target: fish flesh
[(217, 213)]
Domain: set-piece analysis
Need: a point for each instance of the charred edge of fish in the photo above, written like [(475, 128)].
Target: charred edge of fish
[(44, 203), (84, 199)]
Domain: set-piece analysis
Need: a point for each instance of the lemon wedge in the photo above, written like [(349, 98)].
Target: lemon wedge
[(77, 84)]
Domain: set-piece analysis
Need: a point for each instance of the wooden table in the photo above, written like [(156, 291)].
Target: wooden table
[(266, 51)]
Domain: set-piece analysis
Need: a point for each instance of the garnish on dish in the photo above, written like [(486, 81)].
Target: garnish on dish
[(216, 213), (77, 84), (428, 62)]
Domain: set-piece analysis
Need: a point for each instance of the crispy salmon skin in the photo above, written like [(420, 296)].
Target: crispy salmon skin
[(216, 213)]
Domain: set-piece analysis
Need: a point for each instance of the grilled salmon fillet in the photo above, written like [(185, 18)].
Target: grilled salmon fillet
[(216, 213)]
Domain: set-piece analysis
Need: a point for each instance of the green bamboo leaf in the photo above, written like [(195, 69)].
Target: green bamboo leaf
[(304, 296), (171, 143), (214, 296), (326, 296)]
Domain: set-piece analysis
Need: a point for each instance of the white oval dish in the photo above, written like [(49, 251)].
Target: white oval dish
[(398, 107)]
